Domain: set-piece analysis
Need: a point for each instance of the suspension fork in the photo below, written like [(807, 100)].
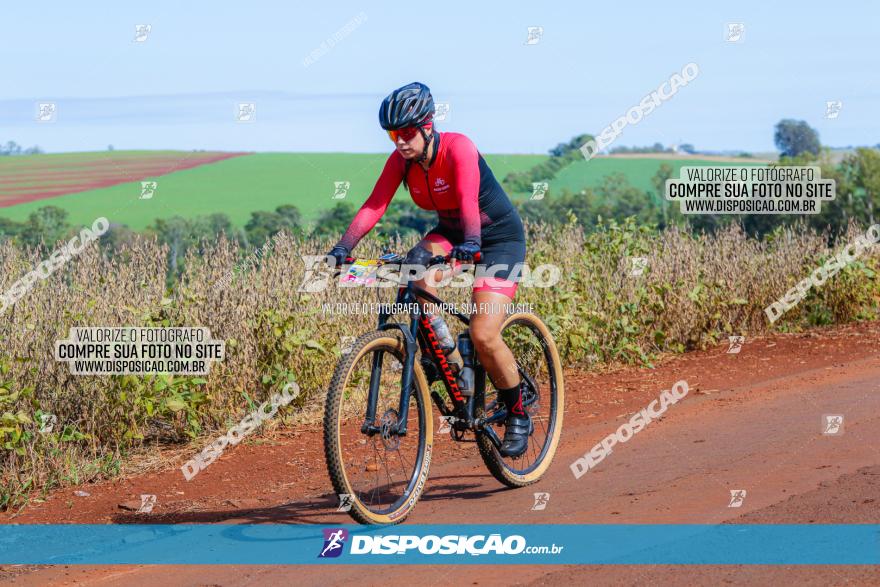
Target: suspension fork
[(409, 342), (373, 397), (406, 384)]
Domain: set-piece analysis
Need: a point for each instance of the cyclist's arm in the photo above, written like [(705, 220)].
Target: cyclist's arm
[(375, 206), (465, 165)]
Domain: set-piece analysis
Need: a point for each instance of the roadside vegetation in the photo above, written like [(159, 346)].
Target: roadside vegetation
[(696, 290)]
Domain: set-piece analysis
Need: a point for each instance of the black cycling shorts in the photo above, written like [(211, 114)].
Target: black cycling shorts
[(503, 252)]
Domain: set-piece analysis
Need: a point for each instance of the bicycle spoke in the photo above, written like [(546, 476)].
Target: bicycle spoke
[(541, 422), (388, 474), (376, 458), (403, 465), (532, 443)]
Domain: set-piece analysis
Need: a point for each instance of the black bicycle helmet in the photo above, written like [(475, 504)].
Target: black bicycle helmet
[(411, 105)]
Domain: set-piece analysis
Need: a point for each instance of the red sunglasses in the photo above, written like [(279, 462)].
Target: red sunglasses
[(406, 133)]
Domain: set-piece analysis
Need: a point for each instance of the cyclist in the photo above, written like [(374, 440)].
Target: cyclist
[(445, 172)]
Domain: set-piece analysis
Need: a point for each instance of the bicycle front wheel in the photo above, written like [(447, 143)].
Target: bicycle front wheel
[(544, 399), (377, 476)]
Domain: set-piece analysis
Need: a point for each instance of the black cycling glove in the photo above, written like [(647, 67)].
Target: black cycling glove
[(466, 251), (339, 253)]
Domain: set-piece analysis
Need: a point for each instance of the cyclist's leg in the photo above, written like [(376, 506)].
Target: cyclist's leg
[(485, 328), (493, 293), (500, 364), (495, 286)]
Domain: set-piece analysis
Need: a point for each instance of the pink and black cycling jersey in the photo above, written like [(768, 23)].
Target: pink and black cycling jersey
[(459, 186)]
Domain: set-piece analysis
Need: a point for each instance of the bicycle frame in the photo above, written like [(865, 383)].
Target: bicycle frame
[(462, 407)]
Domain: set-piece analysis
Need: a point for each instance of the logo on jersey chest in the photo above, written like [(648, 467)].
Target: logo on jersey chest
[(440, 185)]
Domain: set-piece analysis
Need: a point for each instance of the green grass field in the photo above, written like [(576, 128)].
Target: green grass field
[(638, 171), (263, 181), (235, 187)]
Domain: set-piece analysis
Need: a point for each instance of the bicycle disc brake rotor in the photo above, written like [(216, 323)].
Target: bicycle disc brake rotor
[(389, 429)]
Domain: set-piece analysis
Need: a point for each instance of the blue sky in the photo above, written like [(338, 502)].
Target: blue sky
[(179, 88)]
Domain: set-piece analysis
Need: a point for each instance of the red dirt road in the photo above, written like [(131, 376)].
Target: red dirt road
[(752, 421)]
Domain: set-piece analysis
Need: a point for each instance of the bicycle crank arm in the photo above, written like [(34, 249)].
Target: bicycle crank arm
[(497, 416), (489, 431)]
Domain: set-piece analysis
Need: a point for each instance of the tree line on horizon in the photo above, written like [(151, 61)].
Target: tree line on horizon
[(858, 196)]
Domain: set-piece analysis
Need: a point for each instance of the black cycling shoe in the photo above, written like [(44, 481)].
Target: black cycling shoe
[(516, 435)]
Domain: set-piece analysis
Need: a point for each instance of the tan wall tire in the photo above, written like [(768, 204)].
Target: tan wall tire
[(368, 344), (492, 459)]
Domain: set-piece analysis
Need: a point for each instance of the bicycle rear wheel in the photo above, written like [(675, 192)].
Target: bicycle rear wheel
[(544, 399), (382, 474)]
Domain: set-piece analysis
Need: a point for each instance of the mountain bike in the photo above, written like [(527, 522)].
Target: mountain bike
[(378, 427)]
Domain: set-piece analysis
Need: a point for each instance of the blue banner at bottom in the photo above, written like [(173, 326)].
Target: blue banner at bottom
[(279, 544)]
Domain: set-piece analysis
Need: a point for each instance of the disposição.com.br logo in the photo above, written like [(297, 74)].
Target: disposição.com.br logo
[(476, 545)]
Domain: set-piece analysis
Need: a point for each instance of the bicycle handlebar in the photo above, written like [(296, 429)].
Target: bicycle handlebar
[(398, 259), (443, 259)]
